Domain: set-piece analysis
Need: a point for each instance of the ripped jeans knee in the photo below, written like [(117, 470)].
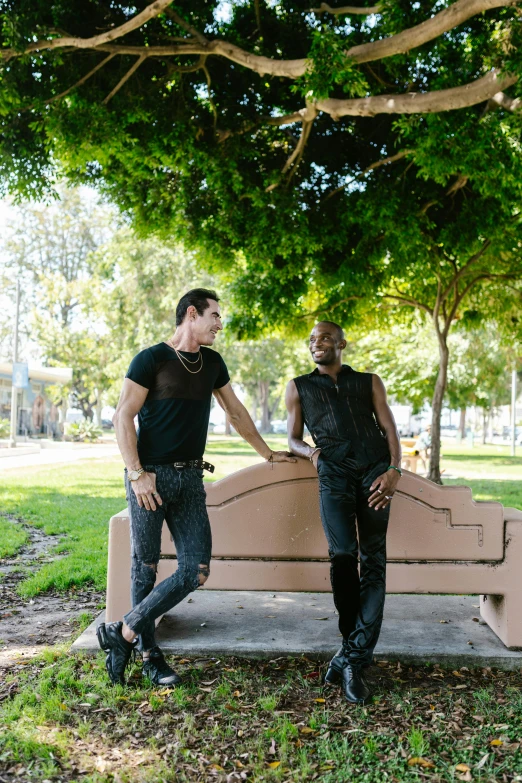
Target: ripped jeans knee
[(194, 575), (144, 574)]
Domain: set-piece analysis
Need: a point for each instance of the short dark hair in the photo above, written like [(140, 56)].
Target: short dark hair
[(339, 329), (198, 298)]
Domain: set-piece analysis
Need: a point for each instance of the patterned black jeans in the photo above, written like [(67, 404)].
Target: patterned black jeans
[(185, 512), (355, 532)]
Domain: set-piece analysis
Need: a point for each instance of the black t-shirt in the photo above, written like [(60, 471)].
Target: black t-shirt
[(173, 421)]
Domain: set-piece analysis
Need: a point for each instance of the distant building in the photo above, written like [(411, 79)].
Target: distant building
[(36, 413)]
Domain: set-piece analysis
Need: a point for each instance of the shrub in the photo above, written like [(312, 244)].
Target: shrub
[(84, 431)]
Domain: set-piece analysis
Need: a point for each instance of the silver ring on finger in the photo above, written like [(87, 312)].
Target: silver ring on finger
[(388, 497)]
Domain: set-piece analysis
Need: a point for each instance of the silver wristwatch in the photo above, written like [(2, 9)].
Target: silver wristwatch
[(133, 475)]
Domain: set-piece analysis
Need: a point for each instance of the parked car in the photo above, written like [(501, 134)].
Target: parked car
[(107, 424)]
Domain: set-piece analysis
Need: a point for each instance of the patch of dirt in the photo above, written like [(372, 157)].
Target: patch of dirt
[(28, 623)]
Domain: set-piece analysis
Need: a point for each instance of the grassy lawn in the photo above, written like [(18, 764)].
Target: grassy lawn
[(12, 538), (236, 720)]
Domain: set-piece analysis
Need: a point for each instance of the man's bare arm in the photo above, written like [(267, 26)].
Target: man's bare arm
[(386, 421), (242, 422), (295, 424), (384, 486), (130, 403)]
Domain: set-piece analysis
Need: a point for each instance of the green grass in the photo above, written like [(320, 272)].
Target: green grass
[(76, 501), (12, 537), (272, 720), (489, 461)]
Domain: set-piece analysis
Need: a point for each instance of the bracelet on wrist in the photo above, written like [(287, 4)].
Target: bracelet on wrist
[(311, 457), (394, 467)]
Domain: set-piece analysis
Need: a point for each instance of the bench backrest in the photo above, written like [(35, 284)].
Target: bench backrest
[(272, 511)]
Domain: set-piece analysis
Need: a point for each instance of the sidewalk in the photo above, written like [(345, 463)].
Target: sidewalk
[(416, 629), (60, 453)]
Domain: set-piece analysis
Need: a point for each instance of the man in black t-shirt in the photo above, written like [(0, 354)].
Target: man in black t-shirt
[(170, 386)]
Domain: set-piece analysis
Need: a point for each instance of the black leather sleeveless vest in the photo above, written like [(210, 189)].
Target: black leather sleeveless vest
[(340, 417)]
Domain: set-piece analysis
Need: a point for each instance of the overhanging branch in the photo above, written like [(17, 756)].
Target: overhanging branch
[(419, 102), (324, 8), (402, 42)]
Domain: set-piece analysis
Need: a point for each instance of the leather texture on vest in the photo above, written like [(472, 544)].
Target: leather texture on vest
[(341, 418)]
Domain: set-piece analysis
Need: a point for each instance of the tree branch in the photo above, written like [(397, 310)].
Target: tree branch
[(417, 102), (324, 8), (463, 270), (185, 25), (445, 20), (74, 86), (151, 11), (505, 102), (125, 78), (409, 302), (376, 165)]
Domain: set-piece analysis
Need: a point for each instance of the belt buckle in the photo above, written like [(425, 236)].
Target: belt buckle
[(179, 464)]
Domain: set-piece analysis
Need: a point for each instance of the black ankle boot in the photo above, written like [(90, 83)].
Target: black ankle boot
[(354, 687), (334, 674)]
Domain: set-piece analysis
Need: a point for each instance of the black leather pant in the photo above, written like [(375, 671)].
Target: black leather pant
[(355, 531)]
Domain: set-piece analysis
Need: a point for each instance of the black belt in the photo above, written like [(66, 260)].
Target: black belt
[(195, 463)]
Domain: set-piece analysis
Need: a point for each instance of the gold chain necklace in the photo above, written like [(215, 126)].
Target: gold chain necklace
[(183, 360)]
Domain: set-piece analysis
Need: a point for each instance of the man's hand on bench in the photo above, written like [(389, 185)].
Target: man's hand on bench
[(145, 491), (383, 489)]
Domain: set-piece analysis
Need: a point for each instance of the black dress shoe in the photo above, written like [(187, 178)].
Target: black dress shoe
[(118, 650), (334, 674), (354, 687), (156, 668)]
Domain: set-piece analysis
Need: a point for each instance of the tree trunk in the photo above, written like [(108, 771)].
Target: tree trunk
[(484, 425), (264, 391), (228, 430), (254, 407), (438, 399), (462, 424), (99, 406)]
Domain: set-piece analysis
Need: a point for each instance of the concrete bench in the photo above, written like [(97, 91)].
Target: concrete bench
[(267, 535)]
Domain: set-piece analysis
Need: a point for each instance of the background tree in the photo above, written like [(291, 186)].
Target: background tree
[(479, 374), (49, 250)]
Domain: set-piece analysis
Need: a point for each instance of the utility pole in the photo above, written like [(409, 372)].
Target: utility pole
[(14, 390), (513, 412)]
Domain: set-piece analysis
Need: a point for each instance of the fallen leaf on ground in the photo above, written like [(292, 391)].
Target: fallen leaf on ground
[(321, 618), (274, 764), (320, 701), (496, 743), (482, 761), (306, 730), (419, 761), (462, 768)]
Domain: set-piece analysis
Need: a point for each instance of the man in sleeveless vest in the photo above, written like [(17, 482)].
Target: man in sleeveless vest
[(169, 387), (357, 455)]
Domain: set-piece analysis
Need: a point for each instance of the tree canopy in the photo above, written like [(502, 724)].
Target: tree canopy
[(258, 132)]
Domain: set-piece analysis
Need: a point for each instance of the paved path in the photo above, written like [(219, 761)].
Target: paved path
[(416, 629), (59, 454)]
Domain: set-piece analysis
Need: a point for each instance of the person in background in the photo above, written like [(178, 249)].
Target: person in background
[(423, 446)]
